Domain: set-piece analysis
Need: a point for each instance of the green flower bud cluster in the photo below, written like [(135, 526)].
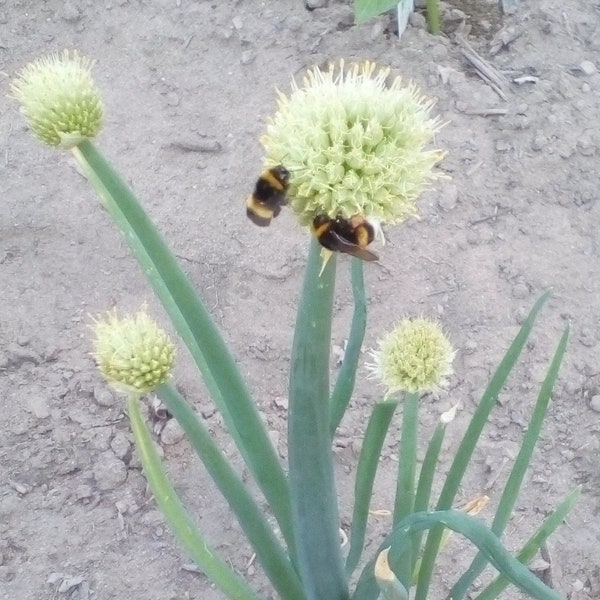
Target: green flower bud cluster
[(133, 354), (59, 99), (415, 357)]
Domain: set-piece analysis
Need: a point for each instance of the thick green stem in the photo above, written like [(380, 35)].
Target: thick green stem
[(405, 486), (344, 385), (269, 551), (312, 483), (433, 16), (216, 569)]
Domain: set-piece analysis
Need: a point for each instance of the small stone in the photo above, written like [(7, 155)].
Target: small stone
[(539, 141), (38, 406), (502, 145), (439, 51), (109, 471), (587, 337), (281, 402), (587, 67), (237, 22), (470, 346), (247, 57), (586, 143), (120, 445), (294, 23), (449, 197), (595, 403), (100, 438), (173, 99), (83, 492), (17, 355), (103, 396), (520, 290), (312, 4), (70, 12), (172, 433), (7, 573), (417, 20), (377, 30), (68, 583)]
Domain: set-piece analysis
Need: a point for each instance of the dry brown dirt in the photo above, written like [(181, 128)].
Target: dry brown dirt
[(519, 215)]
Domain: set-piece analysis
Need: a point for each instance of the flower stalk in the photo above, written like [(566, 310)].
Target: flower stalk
[(312, 482)]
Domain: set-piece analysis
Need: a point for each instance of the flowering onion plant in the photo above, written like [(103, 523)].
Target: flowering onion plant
[(357, 146)]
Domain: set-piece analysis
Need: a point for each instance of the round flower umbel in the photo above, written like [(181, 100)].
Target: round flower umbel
[(133, 353), (416, 357), (354, 145), (59, 99)]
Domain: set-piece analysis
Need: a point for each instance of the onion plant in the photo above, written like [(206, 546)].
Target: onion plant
[(356, 144)]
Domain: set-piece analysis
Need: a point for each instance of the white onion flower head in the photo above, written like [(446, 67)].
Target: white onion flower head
[(354, 144), (59, 99), (133, 353), (415, 357)]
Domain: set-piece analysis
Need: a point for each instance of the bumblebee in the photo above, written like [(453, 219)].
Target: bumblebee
[(349, 236), (270, 194)]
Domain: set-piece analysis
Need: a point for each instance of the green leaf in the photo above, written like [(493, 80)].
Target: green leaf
[(367, 9), (366, 470), (424, 486), (271, 555), (517, 474), (465, 450), (312, 484), (182, 525), (193, 323), (473, 529), (531, 548), (344, 385)]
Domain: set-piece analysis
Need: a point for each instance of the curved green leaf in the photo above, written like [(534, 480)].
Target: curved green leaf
[(465, 450), (193, 323), (473, 529), (517, 474)]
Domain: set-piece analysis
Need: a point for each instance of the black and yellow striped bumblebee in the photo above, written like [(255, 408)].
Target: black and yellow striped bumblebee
[(349, 236), (270, 194)]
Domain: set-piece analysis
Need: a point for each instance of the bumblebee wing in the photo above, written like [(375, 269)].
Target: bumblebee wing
[(347, 247)]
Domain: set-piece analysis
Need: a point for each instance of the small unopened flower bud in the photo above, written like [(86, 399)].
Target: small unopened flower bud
[(354, 143), (415, 357), (59, 99), (132, 353)]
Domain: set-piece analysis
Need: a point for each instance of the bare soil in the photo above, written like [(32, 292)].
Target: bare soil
[(188, 86)]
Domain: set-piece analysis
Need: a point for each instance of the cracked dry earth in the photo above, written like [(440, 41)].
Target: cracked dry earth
[(188, 86)]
